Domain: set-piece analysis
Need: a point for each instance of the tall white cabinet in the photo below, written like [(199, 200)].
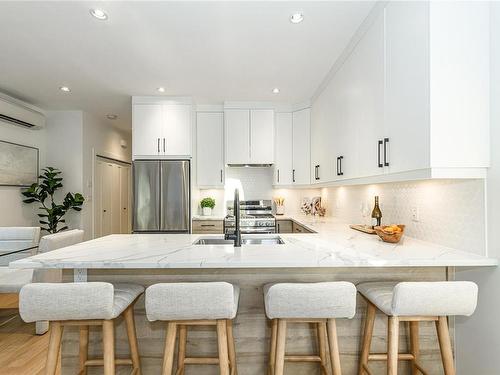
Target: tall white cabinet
[(160, 128), (292, 148), (249, 136), (209, 149)]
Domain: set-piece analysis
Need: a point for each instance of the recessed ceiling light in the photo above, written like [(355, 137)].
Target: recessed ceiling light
[(65, 88), (99, 14), (112, 117), (276, 90), (296, 18), (161, 89)]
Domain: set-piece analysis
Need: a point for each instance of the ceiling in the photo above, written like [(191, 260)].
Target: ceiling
[(212, 51)]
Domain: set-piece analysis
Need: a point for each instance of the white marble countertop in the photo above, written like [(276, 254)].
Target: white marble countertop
[(334, 245)]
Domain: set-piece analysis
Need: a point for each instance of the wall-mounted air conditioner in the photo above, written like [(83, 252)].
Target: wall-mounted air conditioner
[(13, 112)]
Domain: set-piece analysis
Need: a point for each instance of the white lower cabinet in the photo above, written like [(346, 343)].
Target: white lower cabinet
[(209, 149)]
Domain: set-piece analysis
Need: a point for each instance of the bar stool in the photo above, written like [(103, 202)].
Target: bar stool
[(414, 302), (84, 305), (318, 303), (191, 304)]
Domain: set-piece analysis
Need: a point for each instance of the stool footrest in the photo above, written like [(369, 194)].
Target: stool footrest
[(383, 357), (100, 362), (302, 358), (201, 360)]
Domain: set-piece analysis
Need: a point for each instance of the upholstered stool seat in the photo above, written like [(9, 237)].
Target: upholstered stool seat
[(318, 303), (83, 304), (188, 304), (414, 302)]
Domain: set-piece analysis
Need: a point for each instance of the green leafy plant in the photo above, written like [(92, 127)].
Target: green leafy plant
[(50, 182), (207, 202)]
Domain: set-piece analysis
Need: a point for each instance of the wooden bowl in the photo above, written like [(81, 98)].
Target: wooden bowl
[(389, 237)]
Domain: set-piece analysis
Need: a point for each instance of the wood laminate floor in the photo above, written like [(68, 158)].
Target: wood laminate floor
[(21, 351)]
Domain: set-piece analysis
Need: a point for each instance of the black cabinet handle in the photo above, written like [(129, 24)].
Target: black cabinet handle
[(158, 145), (317, 172), (293, 175), (279, 231), (340, 166), (221, 179), (380, 165), (278, 177), (337, 165), (163, 144), (386, 141)]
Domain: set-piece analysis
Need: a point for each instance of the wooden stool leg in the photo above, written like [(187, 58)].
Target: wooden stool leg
[(181, 356), (321, 332), (334, 347), (367, 337), (272, 351), (132, 339), (168, 355), (414, 346), (223, 352), (108, 334), (84, 349), (392, 345), (231, 348), (56, 331), (279, 365), (445, 345)]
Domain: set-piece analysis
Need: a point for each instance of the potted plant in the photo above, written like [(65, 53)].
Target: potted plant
[(54, 213), (207, 205)]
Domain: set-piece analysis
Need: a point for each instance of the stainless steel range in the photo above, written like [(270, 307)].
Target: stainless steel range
[(256, 217)]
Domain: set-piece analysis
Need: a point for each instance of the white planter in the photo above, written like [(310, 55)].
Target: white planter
[(207, 211)]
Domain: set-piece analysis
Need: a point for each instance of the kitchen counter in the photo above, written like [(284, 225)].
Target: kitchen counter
[(333, 245), (211, 217)]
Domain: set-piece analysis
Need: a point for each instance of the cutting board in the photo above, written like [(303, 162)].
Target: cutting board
[(363, 228)]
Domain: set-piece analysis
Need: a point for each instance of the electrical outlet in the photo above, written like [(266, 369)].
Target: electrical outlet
[(415, 214)]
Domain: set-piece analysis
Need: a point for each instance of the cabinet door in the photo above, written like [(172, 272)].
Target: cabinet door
[(124, 199), (283, 166), (146, 129), (209, 149), (262, 136), (237, 136), (407, 93), (367, 64), (176, 136), (302, 146)]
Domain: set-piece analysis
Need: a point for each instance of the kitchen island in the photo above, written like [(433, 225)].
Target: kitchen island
[(335, 252)]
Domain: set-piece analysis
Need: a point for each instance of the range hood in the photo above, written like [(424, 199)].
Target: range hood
[(249, 165)]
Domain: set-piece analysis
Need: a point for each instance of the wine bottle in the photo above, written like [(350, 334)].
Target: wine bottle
[(376, 214)]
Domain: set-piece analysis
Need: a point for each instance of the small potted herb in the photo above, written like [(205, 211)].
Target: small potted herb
[(207, 205)]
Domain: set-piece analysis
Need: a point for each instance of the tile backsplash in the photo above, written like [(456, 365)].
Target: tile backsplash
[(450, 212)]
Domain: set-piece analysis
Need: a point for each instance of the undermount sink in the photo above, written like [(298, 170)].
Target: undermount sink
[(245, 240)]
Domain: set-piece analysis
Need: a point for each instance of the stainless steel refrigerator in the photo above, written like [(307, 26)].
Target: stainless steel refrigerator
[(162, 196)]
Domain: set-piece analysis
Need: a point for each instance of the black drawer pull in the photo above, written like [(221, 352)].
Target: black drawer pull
[(386, 141), (380, 165)]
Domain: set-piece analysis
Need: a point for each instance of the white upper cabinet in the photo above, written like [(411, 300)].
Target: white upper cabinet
[(177, 129), (209, 149), (249, 136), (146, 129), (237, 136), (160, 129), (301, 154), (283, 168), (262, 136), (408, 100)]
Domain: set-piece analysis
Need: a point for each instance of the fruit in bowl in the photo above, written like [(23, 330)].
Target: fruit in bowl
[(390, 233)]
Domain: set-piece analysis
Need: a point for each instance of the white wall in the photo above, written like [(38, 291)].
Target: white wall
[(478, 337), (14, 211)]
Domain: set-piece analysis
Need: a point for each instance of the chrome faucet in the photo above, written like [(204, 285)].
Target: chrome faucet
[(236, 211)]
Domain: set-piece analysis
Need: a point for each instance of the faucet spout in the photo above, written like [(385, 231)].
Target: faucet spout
[(237, 231)]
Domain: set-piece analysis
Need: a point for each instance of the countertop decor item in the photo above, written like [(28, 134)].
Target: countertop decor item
[(280, 205), (207, 205), (46, 188), (390, 233)]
